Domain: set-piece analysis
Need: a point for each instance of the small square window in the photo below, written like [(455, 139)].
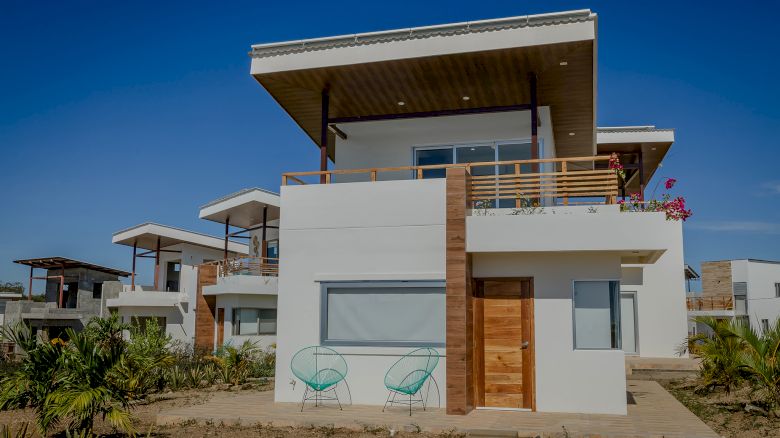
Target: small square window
[(596, 315), (777, 290)]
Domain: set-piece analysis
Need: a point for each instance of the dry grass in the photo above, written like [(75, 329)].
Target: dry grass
[(731, 415)]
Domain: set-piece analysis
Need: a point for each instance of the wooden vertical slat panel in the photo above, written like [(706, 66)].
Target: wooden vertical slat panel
[(563, 183), (204, 310), (459, 337)]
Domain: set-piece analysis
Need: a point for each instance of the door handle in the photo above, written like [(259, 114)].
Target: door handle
[(524, 345)]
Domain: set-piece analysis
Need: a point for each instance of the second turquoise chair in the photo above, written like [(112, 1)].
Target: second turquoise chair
[(408, 376), (321, 369)]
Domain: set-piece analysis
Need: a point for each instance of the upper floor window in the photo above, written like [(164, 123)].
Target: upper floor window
[(476, 153), (777, 290)]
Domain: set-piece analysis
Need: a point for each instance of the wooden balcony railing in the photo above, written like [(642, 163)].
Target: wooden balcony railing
[(550, 178), (710, 303), (262, 266)]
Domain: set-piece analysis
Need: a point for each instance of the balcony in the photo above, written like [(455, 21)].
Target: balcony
[(245, 276), (144, 297), (710, 303), (512, 184)]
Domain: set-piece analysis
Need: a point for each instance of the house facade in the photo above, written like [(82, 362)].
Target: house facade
[(237, 297), (177, 255), (465, 202), (74, 292), (745, 289)]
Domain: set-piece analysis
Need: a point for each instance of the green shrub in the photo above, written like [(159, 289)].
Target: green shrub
[(719, 352)]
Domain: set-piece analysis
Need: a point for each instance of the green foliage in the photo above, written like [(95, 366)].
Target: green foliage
[(719, 353), (735, 352), (12, 287), (236, 362), (759, 359)]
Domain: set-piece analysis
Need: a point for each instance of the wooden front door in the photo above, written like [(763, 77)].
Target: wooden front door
[(504, 343)]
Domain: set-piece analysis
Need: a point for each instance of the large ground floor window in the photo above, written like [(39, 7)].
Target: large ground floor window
[(597, 315), (252, 321), (383, 313)]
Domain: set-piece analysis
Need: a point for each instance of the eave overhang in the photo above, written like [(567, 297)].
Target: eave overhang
[(433, 68)]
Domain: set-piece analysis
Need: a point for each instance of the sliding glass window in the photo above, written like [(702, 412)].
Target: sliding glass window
[(596, 315)]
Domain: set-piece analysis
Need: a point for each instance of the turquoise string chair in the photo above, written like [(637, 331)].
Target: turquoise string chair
[(408, 376), (321, 369)]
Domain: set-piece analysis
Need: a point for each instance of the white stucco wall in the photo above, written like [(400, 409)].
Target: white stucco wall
[(567, 380), (380, 231), (391, 143), (761, 278)]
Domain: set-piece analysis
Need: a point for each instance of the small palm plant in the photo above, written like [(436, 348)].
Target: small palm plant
[(88, 385), (35, 378), (720, 353), (760, 360)]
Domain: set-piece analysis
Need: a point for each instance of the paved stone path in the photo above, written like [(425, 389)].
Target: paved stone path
[(656, 413)]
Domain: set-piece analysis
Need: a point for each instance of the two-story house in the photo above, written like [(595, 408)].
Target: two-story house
[(743, 289), (464, 201), (74, 292), (177, 254)]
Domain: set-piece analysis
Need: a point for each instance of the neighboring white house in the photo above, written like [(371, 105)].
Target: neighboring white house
[(177, 254), (241, 302), (402, 245), (746, 289)]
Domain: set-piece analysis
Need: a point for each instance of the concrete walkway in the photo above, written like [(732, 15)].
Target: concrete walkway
[(655, 413)]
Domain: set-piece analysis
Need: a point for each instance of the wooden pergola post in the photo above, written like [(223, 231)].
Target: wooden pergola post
[(29, 288), (264, 242), (641, 177), (132, 274), (227, 235), (62, 283), (324, 134), (534, 116), (157, 265)]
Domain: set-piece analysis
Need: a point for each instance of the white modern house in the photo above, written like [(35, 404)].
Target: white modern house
[(746, 289), (177, 253), (469, 206), (237, 295)]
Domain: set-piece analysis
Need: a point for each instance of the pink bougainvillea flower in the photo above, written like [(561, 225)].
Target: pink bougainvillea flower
[(670, 183)]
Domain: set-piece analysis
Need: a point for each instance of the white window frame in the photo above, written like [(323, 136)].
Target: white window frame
[(324, 286), (619, 335)]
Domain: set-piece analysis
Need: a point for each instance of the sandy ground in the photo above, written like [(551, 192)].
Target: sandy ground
[(145, 423)]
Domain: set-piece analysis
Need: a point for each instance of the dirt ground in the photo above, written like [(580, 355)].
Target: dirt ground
[(730, 415), (145, 423)]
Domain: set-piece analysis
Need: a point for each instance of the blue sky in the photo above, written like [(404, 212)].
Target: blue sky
[(117, 113)]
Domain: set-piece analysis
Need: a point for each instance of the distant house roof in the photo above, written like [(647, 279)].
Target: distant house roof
[(690, 273), (243, 208), (60, 262), (146, 235)]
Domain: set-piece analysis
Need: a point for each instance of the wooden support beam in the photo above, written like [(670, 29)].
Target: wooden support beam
[(62, 284), (227, 235), (534, 117), (132, 274), (439, 113), (264, 242), (641, 177), (29, 289), (157, 266), (324, 134), (342, 135)]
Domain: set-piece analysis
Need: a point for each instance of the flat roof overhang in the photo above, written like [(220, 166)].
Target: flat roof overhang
[(431, 69), (60, 262), (653, 143), (145, 237), (244, 208)]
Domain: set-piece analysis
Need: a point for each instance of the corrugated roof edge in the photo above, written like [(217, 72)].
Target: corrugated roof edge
[(776, 262), (297, 46), (644, 128), (238, 193)]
